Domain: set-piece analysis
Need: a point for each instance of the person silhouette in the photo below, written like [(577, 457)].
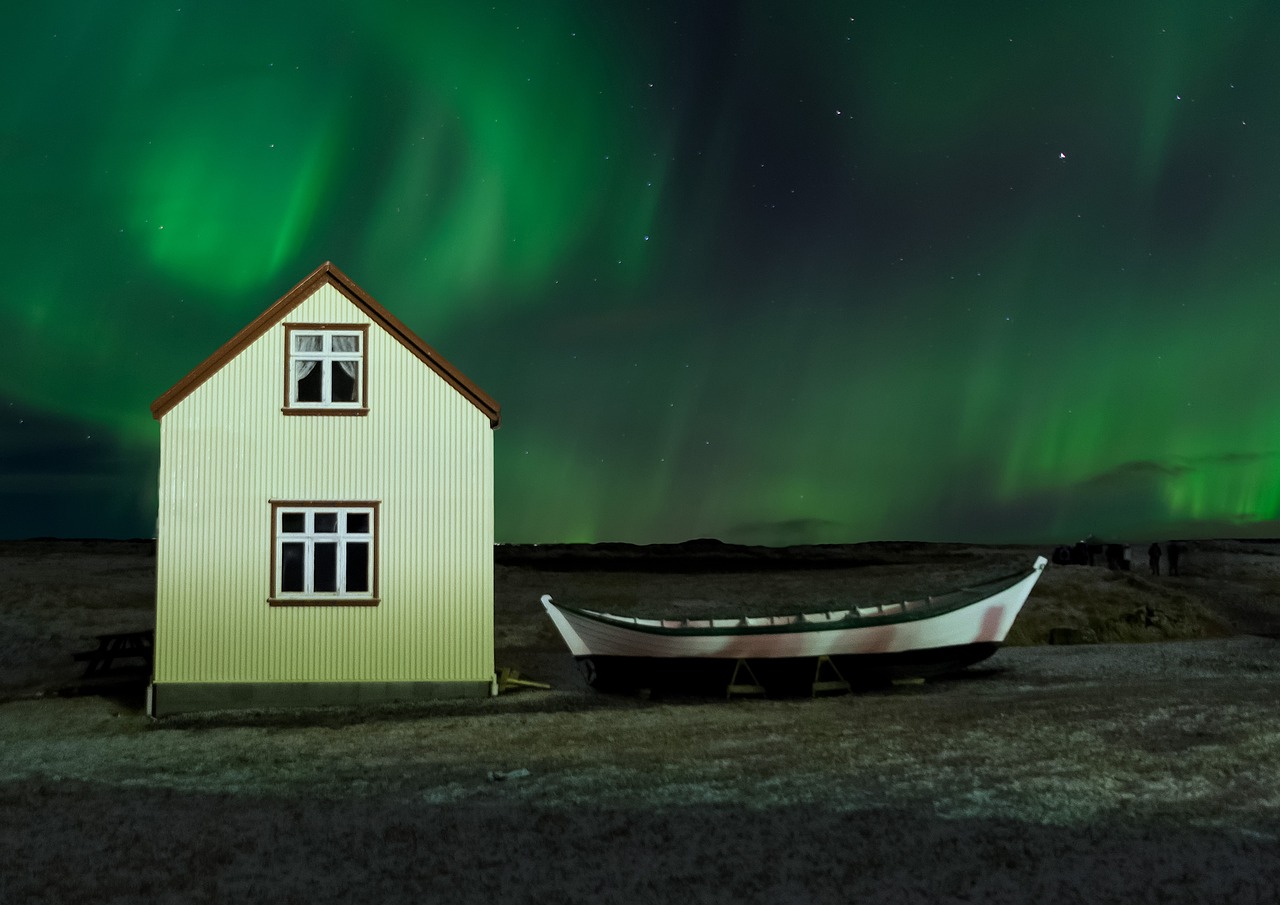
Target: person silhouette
[(1175, 549), (1153, 557)]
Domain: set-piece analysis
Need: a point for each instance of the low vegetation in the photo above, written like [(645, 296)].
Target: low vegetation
[(1090, 773)]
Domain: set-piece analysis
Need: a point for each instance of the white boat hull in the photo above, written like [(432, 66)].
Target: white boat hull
[(958, 628)]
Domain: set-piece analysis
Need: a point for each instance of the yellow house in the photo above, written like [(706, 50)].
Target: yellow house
[(325, 530)]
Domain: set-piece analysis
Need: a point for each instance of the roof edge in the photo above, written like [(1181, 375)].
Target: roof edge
[(326, 273), (414, 343)]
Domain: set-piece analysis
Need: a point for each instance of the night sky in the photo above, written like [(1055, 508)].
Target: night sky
[(772, 273)]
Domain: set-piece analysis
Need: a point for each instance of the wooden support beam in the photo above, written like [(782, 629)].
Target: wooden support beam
[(743, 688), (837, 685), (508, 678)]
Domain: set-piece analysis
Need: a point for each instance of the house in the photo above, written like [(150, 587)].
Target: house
[(325, 529)]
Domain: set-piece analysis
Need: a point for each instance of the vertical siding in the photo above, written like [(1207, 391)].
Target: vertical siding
[(424, 451)]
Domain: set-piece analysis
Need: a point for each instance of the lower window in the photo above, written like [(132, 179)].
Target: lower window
[(324, 553)]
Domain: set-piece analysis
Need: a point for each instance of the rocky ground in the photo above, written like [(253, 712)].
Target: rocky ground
[(1111, 771)]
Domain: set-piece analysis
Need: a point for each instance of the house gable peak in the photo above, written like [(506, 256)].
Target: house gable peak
[(327, 273)]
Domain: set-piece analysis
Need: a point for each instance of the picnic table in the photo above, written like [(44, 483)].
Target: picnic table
[(119, 646)]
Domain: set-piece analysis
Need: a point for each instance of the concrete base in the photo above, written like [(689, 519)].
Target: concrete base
[(167, 698)]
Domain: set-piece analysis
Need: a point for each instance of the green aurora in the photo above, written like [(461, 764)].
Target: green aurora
[(850, 271)]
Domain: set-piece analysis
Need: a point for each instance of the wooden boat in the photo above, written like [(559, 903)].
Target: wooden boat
[(860, 644)]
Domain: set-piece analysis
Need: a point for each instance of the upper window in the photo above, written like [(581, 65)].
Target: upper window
[(326, 369), (324, 553)]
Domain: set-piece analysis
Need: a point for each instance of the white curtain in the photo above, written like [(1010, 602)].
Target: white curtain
[(303, 366), (347, 344)]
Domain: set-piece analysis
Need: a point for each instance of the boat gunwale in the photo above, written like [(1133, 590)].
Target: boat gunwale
[(928, 608)]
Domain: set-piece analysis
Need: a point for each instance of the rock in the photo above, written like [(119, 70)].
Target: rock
[(503, 775)]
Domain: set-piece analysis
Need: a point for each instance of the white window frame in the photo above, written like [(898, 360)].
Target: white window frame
[(326, 358), (309, 537)]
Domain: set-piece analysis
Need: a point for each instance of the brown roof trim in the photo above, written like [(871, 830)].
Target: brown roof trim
[(326, 273)]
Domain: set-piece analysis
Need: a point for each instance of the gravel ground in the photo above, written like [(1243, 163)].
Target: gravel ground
[(1092, 773)]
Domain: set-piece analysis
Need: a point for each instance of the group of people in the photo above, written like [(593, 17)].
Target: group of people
[(1153, 557), (1117, 555)]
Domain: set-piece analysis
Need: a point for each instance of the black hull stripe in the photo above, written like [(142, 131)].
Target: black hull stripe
[(780, 675)]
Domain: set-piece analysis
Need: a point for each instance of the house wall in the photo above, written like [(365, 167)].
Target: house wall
[(423, 450)]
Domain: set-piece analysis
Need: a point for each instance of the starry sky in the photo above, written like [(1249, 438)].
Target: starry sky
[(769, 272)]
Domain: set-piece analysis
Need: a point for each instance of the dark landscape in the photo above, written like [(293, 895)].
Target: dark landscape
[(1136, 764)]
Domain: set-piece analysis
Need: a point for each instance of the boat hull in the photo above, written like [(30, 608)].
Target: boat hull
[(865, 645)]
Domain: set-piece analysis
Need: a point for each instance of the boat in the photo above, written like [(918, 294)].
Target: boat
[(856, 645)]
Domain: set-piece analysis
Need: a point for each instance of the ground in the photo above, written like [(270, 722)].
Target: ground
[(1113, 771)]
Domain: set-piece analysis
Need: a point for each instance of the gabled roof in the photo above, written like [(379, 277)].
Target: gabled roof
[(326, 273)]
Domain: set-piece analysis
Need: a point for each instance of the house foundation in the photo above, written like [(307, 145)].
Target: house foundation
[(169, 698)]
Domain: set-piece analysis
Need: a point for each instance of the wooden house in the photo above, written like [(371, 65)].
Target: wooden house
[(325, 529)]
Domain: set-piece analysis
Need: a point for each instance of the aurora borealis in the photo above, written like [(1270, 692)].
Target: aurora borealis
[(838, 272)]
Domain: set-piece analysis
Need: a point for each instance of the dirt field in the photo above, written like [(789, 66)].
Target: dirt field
[(1116, 772)]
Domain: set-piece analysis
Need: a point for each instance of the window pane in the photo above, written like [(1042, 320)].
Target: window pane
[(292, 565), (357, 567), (309, 376), (357, 523), (326, 522), (293, 522), (305, 343), (346, 343), (345, 381), (326, 567)]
